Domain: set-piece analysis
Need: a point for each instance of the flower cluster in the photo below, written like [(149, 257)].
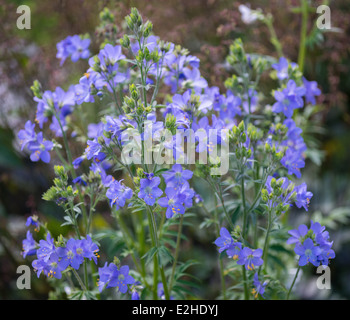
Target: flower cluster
[(250, 258), (110, 276), (312, 245), (267, 152), (36, 144), (245, 256), (74, 47), (52, 260), (117, 194), (290, 97), (281, 193)]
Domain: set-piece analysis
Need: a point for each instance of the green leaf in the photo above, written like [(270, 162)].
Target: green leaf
[(164, 256), (150, 254)]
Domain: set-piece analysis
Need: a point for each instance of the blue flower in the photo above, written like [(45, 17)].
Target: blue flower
[(161, 293), (40, 149), (77, 162), (106, 273), (293, 162), (250, 101), (115, 126), (95, 130), (176, 177), (27, 135), (54, 267), (110, 55), (149, 190), (173, 202), (39, 266), (228, 106), (298, 235), (288, 99), (79, 48), (135, 295), (74, 47), (76, 250), (79, 180), (311, 91), (225, 240), (106, 180), (282, 68), (51, 268), (46, 248), (312, 245), (308, 252), (326, 254), (122, 280), (82, 90), (188, 193), (151, 43), (28, 245), (33, 221), (234, 251), (285, 197), (72, 254), (294, 141), (90, 249), (259, 287), (303, 196), (93, 149), (117, 194), (250, 258), (194, 78)]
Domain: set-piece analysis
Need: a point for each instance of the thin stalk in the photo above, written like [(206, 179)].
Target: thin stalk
[(141, 241), (155, 260), (79, 279), (130, 244), (86, 279), (221, 265), (245, 212), (178, 241), (218, 191), (73, 218), (266, 242), (61, 157), (71, 168), (245, 284), (153, 230), (303, 34), (291, 287), (244, 234), (273, 36)]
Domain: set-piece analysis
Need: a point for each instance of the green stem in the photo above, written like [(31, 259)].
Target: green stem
[(245, 283), (221, 265), (130, 244), (155, 278), (266, 243), (86, 279), (273, 36), (218, 192), (245, 212), (244, 234), (178, 241), (70, 167), (154, 237), (303, 34), (79, 279), (141, 240), (295, 278)]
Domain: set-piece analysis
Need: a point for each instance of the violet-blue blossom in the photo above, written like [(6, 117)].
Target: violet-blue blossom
[(149, 190)]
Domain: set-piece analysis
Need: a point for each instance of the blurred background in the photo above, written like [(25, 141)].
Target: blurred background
[(206, 28)]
